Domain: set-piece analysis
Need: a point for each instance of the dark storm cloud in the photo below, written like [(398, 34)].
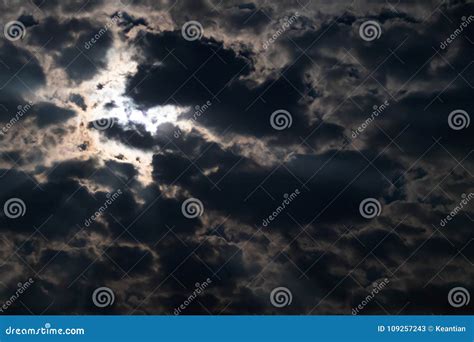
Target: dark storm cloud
[(247, 17), (384, 179), (193, 73), (133, 135), (112, 174), (234, 186), (128, 21), (183, 63), (55, 34), (79, 46), (52, 199), (48, 113), (27, 20), (236, 164), (110, 105), (427, 125), (78, 100), (59, 208), (21, 74)]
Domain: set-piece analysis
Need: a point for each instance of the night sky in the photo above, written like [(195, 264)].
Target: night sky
[(236, 157)]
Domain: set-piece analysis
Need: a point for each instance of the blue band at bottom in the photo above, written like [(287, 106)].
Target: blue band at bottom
[(237, 328)]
